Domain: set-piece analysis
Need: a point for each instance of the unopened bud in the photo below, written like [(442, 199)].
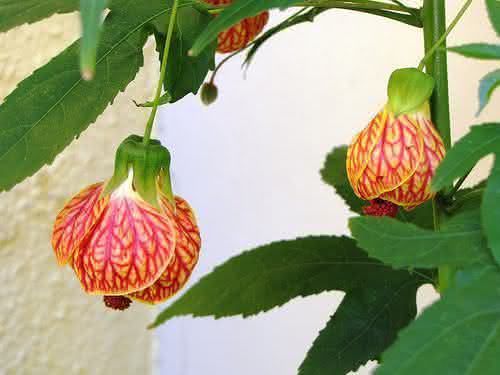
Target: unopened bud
[(208, 93)]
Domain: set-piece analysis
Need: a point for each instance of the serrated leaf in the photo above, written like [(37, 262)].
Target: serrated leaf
[(334, 173), (269, 276), (185, 74), (460, 241), (18, 12), (487, 86), (91, 13), (231, 15), (460, 334), (490, 210), (54, 105), (479, 142), (493, 7), (482, 51), (365, 324)]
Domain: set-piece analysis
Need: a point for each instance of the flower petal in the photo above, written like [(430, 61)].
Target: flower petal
[(416, 190), (239, 35), (75, 220), (187, 249), (360, 149), (394, 158), (128, 249)]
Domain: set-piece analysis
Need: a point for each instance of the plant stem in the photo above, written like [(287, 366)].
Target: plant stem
[(353, 5), (458, 184), (443, 37), (163, 69), (434, 22)]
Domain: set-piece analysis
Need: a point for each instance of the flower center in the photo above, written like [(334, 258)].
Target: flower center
[(379, 207), (117, 302)]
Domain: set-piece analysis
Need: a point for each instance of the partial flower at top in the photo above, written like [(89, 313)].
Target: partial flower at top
[(239, 35)]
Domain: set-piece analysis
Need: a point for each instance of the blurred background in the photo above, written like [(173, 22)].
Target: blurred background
[(249, 165)]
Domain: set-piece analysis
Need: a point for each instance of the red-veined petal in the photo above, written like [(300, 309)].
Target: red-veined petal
[(393, 159), (187, 248), (75, 220), (128, 249), (416, 190)]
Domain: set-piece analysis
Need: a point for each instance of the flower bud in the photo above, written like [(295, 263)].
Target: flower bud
[(208, 93), (395, 157)]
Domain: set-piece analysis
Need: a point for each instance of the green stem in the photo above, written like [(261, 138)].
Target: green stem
[(458, 184), (443, 37), (434, 22), (353, 5), (156, 101)]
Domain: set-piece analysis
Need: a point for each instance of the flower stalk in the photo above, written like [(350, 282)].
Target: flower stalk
[(163, 69)]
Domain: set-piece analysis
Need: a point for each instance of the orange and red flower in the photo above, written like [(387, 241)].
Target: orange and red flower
[(394, 158), (239, 35), (119, 244)]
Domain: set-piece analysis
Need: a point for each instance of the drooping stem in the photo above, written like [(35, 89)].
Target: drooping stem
[(163, 69), (443, 37), (434, 21)]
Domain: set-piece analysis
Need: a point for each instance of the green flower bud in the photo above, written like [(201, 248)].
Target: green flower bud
[(208, 93)]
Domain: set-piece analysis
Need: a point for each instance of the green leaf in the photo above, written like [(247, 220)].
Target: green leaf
[(487, 85), (479, 142), (494, 13), (269, 276), (365, 324), (185, 74), (459, 242), (460, 334), (334, 173), (54, 105), (490, 210), (478, 50), (18, 12), (91, 13), (231, 15)]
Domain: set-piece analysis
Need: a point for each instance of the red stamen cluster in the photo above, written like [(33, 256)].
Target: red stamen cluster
[(117, 302), (379, 207)]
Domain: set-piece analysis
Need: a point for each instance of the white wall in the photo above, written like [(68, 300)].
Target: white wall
[(250, 166), (48, 325)]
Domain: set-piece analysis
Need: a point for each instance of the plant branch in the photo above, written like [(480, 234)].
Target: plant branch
[(156, 101), (434, 22), (443, 37)]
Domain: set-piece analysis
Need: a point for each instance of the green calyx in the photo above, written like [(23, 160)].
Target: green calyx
[(150, 164), (408, 90)]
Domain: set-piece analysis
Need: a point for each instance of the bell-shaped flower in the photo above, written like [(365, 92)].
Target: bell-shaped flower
[(395, 157), (122, 236)]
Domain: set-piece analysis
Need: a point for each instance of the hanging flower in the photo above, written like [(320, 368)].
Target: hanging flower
[(395, 157), (124, 236), (239, 35)]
